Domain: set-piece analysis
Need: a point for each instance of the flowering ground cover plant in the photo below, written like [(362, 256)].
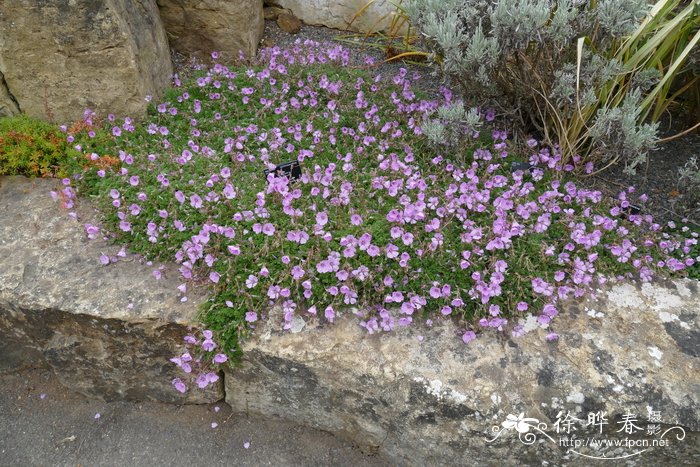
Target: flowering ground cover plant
[(380, 222)]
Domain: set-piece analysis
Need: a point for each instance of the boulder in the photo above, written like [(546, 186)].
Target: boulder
[(61, 57), (423, 397), (199, 27), (339, 15), (106, 331)]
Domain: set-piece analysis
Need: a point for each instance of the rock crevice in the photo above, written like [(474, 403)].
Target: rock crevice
[(8, 102)]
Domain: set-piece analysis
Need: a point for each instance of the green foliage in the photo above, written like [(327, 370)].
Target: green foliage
[(587, 76), (34, 148)]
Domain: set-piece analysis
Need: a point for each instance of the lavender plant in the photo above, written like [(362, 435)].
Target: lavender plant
[(689, 180), (380, 223), (586, 75)]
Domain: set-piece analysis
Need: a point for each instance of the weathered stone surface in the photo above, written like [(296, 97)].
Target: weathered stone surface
[(432, 400), (63, 56), (8, 106), (107, 331), (200, 27), (339, 14), (288, 23)]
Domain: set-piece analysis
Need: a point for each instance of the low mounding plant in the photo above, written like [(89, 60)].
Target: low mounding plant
[(34, 148), (585, 74), (378, 222)]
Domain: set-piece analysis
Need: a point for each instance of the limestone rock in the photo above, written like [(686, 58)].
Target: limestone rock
[(61, 57), (288, 23), (339, 15), (106, 331), (199, 27), (422, 397)]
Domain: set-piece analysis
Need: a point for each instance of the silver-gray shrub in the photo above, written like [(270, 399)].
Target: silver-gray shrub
[(689, 181), (450, 123), (521, 55)]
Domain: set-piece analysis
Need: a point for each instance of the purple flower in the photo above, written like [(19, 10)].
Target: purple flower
[(468, 336), (134, 180), (91, 230), (214, 277), (208, 344), (179, 385), (251, 316), (196, 201), (220, 358), (252, 281), (298, 272), (321, 218)]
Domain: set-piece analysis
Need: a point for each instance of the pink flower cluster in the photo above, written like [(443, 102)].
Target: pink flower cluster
[(377, 221), (198, 369)]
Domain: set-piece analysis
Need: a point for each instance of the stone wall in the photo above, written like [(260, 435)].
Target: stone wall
[(60, 57)]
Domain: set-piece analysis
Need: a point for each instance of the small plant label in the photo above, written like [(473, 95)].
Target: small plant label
[(291, 170)]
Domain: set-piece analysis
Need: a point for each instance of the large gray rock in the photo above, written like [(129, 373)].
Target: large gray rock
[(340, 14), (199, 27), (422, 397), (63, 56), (106, 331)]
